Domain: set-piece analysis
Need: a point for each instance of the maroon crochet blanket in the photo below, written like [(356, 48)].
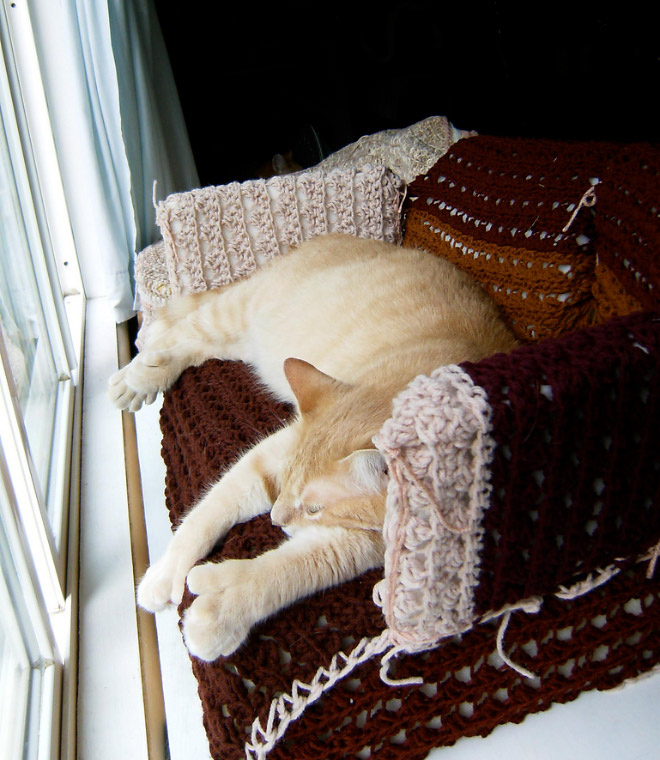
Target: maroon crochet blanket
[(576, 482), (216, 410)]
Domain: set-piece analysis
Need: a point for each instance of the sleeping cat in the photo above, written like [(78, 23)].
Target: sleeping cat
[(338, 327)]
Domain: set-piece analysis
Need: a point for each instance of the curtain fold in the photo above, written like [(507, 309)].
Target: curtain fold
[(118, 127)]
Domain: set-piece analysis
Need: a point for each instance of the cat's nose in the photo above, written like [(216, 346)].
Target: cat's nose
[(280, 514)]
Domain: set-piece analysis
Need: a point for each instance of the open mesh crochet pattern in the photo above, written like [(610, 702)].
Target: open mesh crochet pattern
[(571, 497), (508, 212), (569, 646), (574, 476)]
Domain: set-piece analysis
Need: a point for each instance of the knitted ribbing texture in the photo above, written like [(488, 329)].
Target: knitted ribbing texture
[(215, 235)]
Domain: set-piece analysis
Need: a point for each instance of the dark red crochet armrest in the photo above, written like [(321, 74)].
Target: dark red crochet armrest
[(575, 469)]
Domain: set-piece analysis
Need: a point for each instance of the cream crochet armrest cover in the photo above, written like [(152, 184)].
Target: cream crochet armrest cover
[(215, 235), (438, 446)]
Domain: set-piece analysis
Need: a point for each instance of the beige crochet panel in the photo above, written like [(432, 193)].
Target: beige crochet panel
[(438, 446), (215, 235), (407, 152)]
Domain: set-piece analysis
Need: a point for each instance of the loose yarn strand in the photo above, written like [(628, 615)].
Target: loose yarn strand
[(533, 605), (500, 648), (403, 196), (384, 670), (652, 556), (588, 584), (400, 464), (586, 201), (530, 606)]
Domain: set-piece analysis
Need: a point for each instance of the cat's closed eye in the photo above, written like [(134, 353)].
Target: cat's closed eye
[(313, 508)]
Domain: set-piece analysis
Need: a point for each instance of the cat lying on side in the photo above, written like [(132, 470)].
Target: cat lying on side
[(338, 327)]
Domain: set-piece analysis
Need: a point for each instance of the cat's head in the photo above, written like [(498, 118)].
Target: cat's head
[(334, 475)]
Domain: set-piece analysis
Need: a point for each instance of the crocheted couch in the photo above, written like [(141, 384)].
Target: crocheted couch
[(523, 519)]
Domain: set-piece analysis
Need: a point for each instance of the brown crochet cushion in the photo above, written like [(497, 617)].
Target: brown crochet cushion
[(612, 299), (597, 641), (574, 486), (519, 474), (497, 207)]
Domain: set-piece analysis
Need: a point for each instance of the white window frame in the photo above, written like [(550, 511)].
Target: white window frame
[(44, 546), (95, 682)]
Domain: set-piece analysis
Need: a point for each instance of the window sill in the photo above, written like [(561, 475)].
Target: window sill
[(111, 720)]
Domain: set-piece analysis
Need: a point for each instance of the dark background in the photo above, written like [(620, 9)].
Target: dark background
[(312, 77)]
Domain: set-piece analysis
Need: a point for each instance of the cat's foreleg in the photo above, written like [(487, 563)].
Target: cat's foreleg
[(234, 595), (246, 490), (189, 331)]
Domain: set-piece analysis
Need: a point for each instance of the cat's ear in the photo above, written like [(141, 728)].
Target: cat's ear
[(309, 385), (367, 469)]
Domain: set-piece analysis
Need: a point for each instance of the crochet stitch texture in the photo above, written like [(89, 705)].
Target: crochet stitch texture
[(594, 641), (213, 236), (498, 210), (553, 483), (438, 447), (406, 152)]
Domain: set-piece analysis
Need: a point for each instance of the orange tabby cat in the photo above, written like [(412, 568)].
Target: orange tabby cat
[(362, 318)]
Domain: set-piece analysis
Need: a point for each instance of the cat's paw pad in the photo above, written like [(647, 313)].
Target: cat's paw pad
[(140, 381), (125, 397), (218, 621), (162, 585)]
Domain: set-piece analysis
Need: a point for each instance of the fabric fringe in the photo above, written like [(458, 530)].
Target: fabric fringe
[(289, 707)]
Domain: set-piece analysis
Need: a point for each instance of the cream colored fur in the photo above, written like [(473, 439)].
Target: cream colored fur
[(337, 327)]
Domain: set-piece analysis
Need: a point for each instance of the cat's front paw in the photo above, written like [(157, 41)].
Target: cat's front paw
[(219, 620), (162, 584), (140, 381), (123, 396)]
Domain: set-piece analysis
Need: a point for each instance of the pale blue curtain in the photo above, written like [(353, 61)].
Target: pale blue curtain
[(154, 131), (118, 127)]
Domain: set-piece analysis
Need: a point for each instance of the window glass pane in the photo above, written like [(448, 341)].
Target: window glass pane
[(14, 682), (37, 405), (22, 660), (23, 326)]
